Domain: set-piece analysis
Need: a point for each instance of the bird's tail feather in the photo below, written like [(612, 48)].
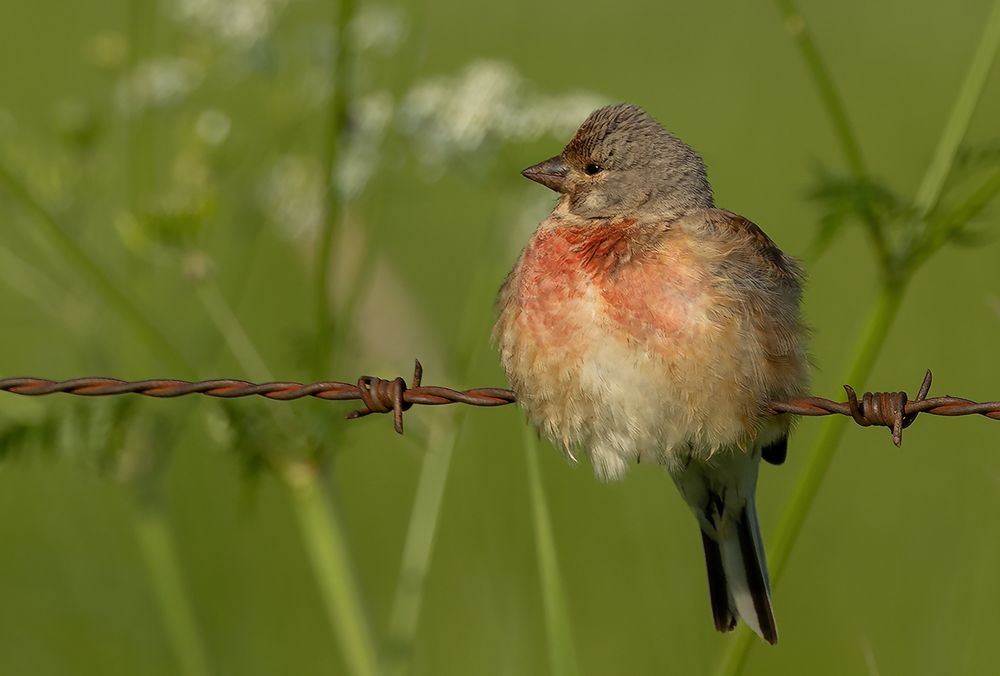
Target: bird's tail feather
[(737, 575)]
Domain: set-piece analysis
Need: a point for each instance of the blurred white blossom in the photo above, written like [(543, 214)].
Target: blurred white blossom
[(378, 28), (370, 117), (291, 196), (376, 31), (474, 112), (212, 126), (488, 102), (158, 82), (237, 22)]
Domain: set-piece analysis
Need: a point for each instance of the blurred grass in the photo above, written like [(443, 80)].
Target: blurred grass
[(558, 620), (253, 114)]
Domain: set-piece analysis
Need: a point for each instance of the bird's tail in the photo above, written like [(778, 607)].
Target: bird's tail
[(737, 573)]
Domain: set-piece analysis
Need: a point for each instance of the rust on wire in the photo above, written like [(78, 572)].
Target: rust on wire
[(884, 409), (376, 394)]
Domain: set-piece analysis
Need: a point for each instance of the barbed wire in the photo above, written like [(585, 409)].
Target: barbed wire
[(894, 410)]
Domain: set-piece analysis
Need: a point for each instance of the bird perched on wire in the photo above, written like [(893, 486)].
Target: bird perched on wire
[(642, 322)]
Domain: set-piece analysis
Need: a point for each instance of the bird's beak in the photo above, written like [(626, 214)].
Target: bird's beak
[(551, 173)]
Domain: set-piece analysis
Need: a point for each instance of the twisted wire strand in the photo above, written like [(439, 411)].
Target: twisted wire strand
[(893, 410)]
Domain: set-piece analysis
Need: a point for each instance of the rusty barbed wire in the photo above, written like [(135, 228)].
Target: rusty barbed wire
[(894, 410)]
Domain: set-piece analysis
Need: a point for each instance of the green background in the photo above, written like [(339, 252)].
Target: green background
[(896, 570)]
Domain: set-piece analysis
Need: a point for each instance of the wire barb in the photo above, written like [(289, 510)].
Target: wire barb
[(886, 408), (894, 410), (382, 396)]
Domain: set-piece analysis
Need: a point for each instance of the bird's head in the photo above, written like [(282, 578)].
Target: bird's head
[(621, 162)]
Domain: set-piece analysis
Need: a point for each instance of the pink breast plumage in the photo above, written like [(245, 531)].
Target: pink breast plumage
[(638, 292)]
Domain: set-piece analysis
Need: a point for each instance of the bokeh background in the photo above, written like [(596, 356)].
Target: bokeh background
[(166, 171)]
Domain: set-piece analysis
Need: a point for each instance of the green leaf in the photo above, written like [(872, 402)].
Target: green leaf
[(845, 200)]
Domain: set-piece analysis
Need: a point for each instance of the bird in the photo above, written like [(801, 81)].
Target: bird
[(643, 323)]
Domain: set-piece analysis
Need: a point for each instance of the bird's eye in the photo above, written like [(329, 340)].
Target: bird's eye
[(592, 169)]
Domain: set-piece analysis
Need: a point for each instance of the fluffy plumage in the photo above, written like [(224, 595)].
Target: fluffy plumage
[(641, 322)]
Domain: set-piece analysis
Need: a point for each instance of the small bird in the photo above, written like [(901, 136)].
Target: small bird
[(642, 322)]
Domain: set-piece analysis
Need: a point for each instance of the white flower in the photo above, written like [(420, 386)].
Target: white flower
[(213, 126), (238, 22), (487, 102), (378, 28), (291, 196), (370, 118), (158, 82)]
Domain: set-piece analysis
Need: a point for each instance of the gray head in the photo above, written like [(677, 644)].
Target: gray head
[(621, 162)]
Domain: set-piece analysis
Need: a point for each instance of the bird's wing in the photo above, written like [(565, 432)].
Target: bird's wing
[(765, 287)]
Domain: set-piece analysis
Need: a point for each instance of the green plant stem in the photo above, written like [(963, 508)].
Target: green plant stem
[(426, 511), (954, 219), (804, 495), (420, 536), (159, 553), (837, 112), (30, 282), (151, 521), (325, 542), (102, 282), (140, 146), (229, 327), (965, 105), (558, 629), (153, 534), (929, 233), (155, 538), (337, 114), (975, 203), (877, 329), (319, 521)]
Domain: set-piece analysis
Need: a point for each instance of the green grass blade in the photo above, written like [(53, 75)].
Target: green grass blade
[(156, 543), (337, 111), (837, 112), (432, 483), (108, 289), (152, 531), (417, 550), (558, 628), (319, 521), (965, 105), (326, 545)]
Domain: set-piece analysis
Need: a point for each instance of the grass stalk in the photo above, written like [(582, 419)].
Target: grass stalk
[(27, 280), (418, 548), (326, 545), (150, 519), (965, 105), (426, 510), (229, 327), (558, 629), (107, 288), (140, 147), (320, 525), (952, 221), (877, 328), (337, 128), (836, 111), (159, 552), (154, 537)]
